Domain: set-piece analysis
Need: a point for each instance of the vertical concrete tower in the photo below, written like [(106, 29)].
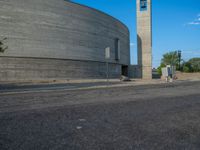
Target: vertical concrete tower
[(144, 38)]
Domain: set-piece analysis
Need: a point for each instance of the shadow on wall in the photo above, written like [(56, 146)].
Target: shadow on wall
[(134, 71), (2, 45), (139, 50)]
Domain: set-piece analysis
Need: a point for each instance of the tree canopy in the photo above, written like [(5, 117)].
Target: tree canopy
[(170, 58), (193, 65)]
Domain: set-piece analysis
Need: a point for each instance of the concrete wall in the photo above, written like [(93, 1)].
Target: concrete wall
[(135, 71), (144, 38), (60, 30), (51, 69)]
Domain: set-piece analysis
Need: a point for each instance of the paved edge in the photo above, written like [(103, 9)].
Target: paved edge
[(145, 85)]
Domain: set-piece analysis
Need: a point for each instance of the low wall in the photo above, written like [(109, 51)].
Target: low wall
[(16, 69)]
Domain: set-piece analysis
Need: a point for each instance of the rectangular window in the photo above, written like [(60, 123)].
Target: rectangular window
[(117, 49), (143, 5)]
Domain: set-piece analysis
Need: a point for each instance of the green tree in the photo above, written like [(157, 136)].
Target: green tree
[(170, 58), (187, 67), (195, 64), (159, 69)]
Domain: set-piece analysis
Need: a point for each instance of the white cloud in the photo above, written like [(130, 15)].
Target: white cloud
[(194, 23)]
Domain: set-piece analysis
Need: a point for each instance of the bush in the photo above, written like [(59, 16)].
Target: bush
[(159, 69), (193, 65), (186, 69)]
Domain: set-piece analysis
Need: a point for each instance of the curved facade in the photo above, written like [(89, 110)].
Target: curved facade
[(58, 39)]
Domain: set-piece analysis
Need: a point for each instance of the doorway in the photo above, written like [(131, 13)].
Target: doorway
[(125, 70)]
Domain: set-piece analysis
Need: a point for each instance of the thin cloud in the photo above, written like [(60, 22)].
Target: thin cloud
[(196, 21), (191, 52)]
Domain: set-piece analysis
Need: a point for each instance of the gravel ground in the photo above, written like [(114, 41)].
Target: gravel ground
[(149, 117)]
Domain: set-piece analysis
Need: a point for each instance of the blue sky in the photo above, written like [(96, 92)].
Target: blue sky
[(176, 25)]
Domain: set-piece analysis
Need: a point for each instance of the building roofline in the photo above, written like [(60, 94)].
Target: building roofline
[(99, 11)]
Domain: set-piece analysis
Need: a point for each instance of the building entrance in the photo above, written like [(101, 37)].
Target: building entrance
[(124, 70)]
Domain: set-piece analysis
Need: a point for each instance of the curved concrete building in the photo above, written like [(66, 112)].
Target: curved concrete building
[(58, 39)]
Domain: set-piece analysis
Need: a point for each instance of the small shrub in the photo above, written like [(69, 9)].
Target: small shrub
[(186, 69)]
